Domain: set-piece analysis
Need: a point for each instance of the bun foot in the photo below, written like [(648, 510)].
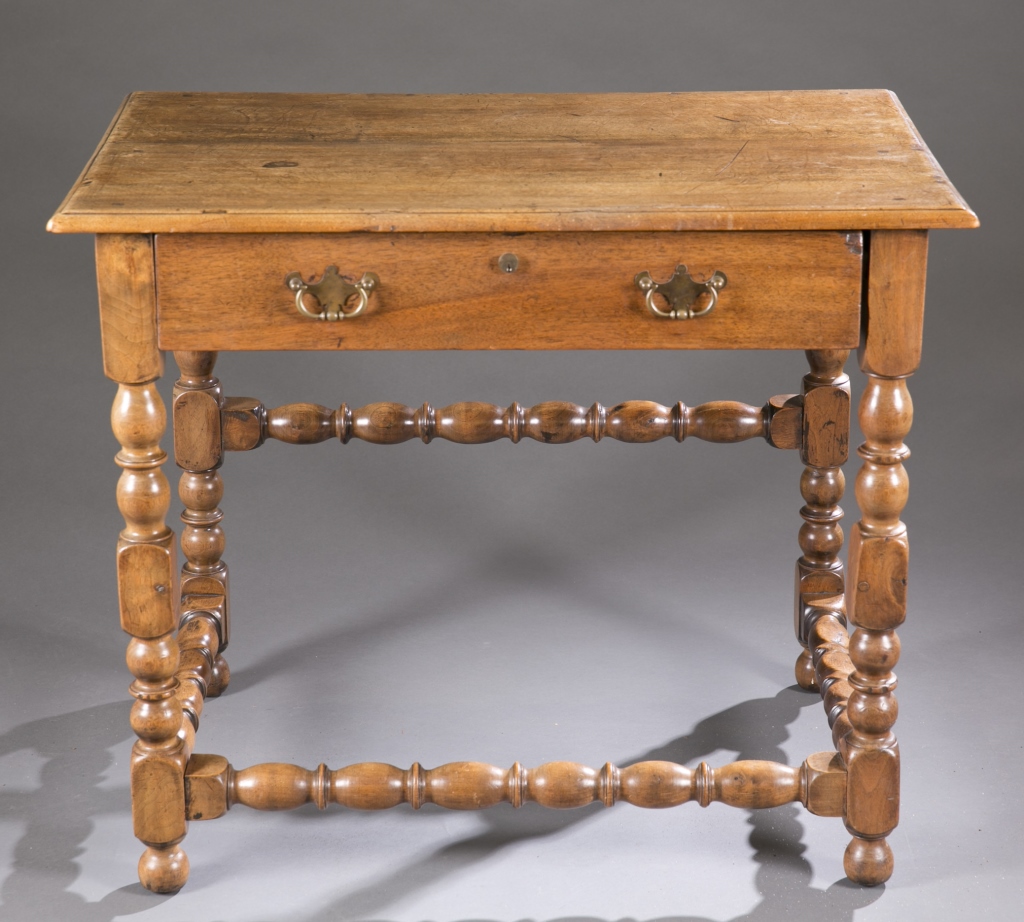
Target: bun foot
[(220, 676), (804, 671), (868, 861), (163, 870)]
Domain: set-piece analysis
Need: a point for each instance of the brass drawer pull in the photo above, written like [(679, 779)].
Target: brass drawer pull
[(681, 292), (332, 293)]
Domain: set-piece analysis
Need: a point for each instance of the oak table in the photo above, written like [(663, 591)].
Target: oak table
[(629, 221)]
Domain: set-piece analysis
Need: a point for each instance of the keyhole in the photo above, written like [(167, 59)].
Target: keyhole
[(508, 262)]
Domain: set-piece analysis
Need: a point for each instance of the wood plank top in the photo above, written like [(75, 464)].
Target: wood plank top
[(285, 163)]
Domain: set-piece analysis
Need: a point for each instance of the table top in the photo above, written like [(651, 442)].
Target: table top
[(283, 163)]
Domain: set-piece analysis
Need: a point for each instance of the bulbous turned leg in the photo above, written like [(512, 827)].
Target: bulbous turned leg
[(824, 449), (145, 569), (879, 552), (204, 576), (877, 606)]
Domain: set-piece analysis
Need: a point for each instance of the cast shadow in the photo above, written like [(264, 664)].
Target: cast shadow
[(754, 729), (59, 815)]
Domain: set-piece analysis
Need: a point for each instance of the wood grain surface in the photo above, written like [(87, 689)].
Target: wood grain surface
[(626, 161), (127, 295), (570, 291), (247, 423), (814, 205), (214, 786), (894, 303)]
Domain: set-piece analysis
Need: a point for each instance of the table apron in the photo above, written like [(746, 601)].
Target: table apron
[(785, 290)]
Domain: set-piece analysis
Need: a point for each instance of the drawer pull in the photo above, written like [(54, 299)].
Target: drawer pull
[(332, 293), (681, 292)]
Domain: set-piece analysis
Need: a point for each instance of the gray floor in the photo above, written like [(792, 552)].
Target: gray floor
[(506, 603)]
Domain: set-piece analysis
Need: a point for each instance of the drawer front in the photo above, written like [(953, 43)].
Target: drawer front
[(568, 291)]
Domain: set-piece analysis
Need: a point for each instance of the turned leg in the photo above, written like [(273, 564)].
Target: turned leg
[(145, 570), (824, 449), (198, 450), (877, 604), (145, 556), (879, 552)]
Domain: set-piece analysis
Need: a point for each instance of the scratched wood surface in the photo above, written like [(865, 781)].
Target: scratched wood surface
[(570, 291), (243, 162)]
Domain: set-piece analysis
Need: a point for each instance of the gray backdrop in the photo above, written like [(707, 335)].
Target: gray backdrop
[(504, 602)]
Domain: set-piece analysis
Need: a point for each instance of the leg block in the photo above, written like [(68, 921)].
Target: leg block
[(158, 796), (873, 791), (878, 568), (145, 581)]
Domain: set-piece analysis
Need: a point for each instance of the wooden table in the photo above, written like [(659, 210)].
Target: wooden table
[(241, 221)]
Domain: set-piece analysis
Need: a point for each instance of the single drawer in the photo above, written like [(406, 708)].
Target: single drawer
[(568, 291)]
